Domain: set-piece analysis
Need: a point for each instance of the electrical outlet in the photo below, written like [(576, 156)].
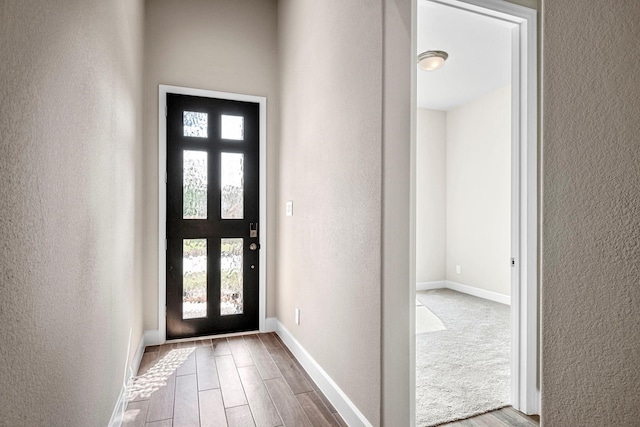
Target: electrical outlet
[(297, 316), (289, 208), (458, 269)]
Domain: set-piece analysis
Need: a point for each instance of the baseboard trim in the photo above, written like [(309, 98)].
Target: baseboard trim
[(481, 293), (348, 411), (118, 412), (137, 359), (152, 337), (427, 286), (271, 325), (117, 416), (465, 289)]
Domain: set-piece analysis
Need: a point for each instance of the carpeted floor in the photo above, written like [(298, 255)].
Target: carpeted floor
[(462, 368)]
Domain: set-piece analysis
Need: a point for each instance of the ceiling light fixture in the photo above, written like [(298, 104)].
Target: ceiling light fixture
[(432, 60)]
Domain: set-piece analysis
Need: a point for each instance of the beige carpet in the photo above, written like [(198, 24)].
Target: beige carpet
[(462, 357)]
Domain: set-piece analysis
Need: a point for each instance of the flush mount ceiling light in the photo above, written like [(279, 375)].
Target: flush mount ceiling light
[(432, 60)]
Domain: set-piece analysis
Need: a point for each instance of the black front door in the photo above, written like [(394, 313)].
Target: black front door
[(212, 216)]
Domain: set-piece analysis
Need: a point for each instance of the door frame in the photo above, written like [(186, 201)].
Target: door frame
[(525, 393), (162, 197)]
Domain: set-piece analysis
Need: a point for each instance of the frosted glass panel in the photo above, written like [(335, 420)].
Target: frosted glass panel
[(195, 124), (232, 127), (194, 278), (232, 186), (194, 188), (231, 277)]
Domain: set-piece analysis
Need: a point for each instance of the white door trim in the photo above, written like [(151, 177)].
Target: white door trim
[(525, 395), (162, 196)]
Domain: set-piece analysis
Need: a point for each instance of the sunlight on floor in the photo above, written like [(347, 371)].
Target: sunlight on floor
[(426, 321), (145, 385)]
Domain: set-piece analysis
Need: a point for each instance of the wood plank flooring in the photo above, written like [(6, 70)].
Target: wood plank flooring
[(505, 417), (252, 380)]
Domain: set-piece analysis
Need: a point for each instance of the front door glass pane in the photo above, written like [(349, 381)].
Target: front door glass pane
[(232, 127), (194, 124), (194, 187), (194, 278), (232, 186), (231, 285)]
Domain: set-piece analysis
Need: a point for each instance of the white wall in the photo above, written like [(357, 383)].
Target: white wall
[(431, 196), (329, 262), (591, 214), (479, 192), (464, 193), (70, 216), (398, 265), (222, 45)]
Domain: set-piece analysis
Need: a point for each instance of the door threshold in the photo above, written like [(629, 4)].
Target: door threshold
[(211, 337)]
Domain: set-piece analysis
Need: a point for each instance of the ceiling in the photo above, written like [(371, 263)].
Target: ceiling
[(479, 49)]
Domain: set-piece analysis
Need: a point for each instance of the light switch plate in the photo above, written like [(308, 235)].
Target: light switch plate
[(289, 208)]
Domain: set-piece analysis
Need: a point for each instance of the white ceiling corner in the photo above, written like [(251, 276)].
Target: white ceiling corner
[(479, 49)]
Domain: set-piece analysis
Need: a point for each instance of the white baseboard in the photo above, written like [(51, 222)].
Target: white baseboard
[(152, 337), (427, 286), (271, 324), (477, 292), (137, 359), (123, 399), (348, 411), (118, 412), (465, 289)]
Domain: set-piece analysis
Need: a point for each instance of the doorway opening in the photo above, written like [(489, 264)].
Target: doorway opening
[(212, 213), (465, 107)]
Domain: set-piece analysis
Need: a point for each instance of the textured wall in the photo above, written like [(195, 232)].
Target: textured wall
[(591, 224), (70, 108), (330, 166), (222, 45), (431, 195), (479, 192)]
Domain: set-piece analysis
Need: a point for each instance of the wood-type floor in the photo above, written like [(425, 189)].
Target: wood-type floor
[(250, 380), (505, 417)]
